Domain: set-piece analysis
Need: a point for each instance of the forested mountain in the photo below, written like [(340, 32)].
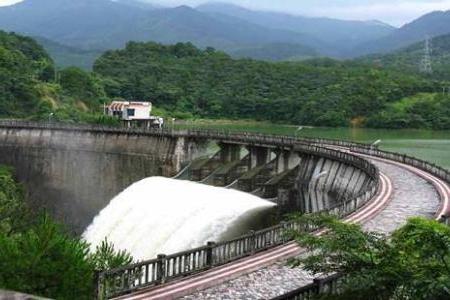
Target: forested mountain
[(408, 59), (65, 56), (432, 24), (107, 24), (276, 52), (188, 81), (340, 36), (184, 82), (87, 24), (104, 24)]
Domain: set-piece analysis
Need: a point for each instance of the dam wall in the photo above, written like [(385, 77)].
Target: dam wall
[(73, 174), (73, 171)]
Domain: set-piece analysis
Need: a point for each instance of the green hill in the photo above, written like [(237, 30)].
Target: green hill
[(408, 59), (24, 64), (205, 83), (185, 82), (31, 89)]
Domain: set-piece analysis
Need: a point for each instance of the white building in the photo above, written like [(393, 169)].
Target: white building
[(134, 114)]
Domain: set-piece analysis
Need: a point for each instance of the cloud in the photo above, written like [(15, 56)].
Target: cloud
[(8, 2)]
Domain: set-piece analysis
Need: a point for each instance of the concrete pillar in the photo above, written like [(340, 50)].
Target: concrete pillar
[(292, 160), (286, 160), (258, 156), (280, 162), (229, 152)]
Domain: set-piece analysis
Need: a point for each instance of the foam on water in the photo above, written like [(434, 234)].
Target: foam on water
[(160, 215)]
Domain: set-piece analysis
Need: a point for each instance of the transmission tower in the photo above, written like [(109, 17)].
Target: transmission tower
[(425, 64)]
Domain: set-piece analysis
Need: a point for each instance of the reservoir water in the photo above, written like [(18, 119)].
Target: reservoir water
[(430, 145)]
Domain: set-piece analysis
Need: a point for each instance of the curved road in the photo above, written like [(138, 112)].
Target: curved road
[(405, 192)]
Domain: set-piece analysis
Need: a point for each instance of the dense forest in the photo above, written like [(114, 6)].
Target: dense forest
[(31, 88), (186, 82), (210, 84)]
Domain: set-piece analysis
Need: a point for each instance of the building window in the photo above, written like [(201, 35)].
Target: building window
[(130, 112)]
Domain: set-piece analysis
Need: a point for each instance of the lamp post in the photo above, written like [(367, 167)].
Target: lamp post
[(376, 143), (298, 129), (50, 117)]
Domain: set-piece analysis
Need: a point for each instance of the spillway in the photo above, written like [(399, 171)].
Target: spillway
[(161, 215)]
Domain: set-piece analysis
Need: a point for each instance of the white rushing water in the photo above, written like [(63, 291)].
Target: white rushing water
[(160, 215)]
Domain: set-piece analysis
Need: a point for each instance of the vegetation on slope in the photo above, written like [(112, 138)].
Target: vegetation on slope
[(65, 56), (39, 257), (31, 89), (419, 111), (413, 263), (186, 82), (408, 59), (23, 63), (210, 84)]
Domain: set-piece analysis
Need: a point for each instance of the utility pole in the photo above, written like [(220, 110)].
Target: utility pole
[(425, 64)]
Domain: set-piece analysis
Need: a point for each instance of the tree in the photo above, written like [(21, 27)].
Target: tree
[(79, 83), (40, 257), (414, 263)]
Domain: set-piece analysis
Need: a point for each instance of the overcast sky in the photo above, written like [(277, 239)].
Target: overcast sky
[(395, 12)]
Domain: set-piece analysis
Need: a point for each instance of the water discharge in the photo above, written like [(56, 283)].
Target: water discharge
[(160, 215)]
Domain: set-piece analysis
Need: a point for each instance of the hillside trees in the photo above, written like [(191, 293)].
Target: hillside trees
[(210, 84), (183, 81), (39, 257), (423, 110), (413, 263), (17, 92), (30, 87)]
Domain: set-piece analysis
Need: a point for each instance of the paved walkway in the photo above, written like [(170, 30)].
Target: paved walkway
[(410, 191)]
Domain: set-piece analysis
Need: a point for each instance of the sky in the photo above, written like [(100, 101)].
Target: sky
[(394, 12)]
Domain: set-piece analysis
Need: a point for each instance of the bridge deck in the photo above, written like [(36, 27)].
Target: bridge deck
[(410, 189)]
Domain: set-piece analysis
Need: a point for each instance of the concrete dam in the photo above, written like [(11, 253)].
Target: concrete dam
[(74, 171)]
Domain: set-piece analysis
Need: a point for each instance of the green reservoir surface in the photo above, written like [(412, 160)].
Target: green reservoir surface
[(433, 146)]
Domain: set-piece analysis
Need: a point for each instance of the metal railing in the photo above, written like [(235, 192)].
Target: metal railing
[(220, 135), (320, 286), (164, 268)]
